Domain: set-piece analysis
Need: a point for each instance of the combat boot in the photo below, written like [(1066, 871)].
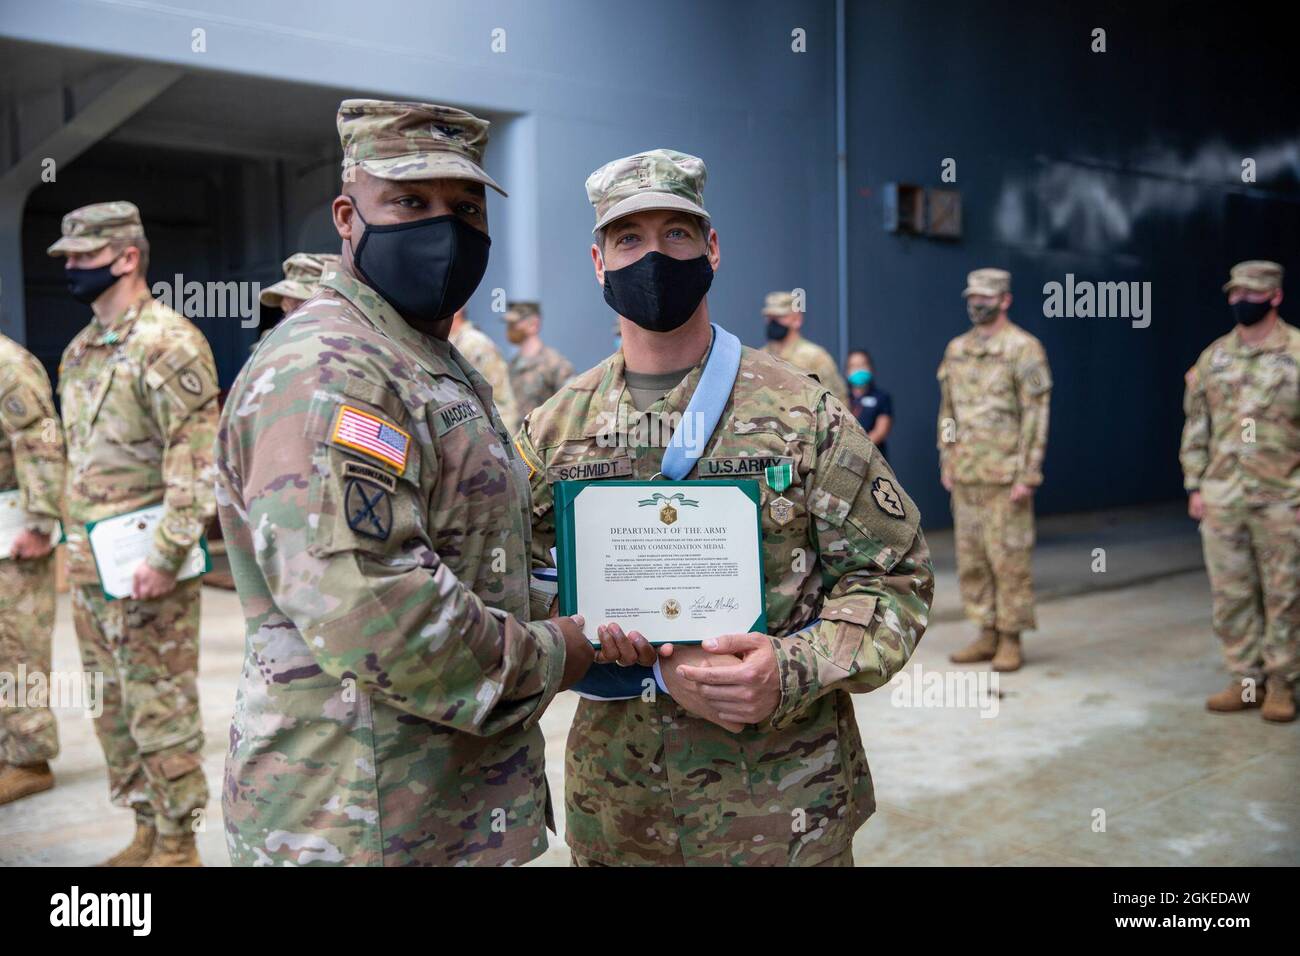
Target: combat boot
[(138, 852), (1279, 701), (981, 649), (175, 849), (1007, 657), (1230, 700), (18, 782)]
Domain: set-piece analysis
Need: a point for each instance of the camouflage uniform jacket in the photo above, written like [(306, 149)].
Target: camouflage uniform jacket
[(139, 397), (994, 395), (482, 353), (1241, 440), (811, 359), (648, 783), (536, 379), (32, 456), (387, 711)]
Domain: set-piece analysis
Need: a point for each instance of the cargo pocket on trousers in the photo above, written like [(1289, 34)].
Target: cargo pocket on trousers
[(1018, 533)]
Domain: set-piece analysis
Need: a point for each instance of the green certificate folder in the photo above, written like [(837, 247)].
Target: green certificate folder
[(677, 561)]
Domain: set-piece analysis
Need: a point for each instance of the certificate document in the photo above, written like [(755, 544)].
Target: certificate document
[(13, 519), (677, 561), (120, 543)]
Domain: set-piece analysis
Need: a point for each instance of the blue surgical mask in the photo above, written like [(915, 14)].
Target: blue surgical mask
[(860, 378)]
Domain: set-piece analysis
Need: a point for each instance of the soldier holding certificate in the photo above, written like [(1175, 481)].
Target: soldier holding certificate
[(743, 750), (139, 393)]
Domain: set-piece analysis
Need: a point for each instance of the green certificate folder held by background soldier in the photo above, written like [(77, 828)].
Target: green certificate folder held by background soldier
[(677, 561), (120, 543)]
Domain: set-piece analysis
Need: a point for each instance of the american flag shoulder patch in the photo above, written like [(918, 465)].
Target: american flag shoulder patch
[(371, 436)]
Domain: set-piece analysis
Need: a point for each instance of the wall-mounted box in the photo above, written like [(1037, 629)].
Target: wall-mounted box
[(904, 205), (943, 213)]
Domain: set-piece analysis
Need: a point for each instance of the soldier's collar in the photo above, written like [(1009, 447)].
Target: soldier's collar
[(110, 333), (377, 311), (1275, 341), (617, 399)]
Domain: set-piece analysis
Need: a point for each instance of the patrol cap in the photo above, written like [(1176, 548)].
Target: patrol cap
[(1255, 275), (778, 303), (987, 282), (518, 311), (302, 276), (656, 179), (91, 228), (402, 141)]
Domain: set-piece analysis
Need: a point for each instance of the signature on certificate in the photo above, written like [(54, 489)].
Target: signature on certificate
[(728, 603)]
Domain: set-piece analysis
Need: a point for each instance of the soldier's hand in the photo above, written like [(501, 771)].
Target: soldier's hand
[(617, 647), (1195, 506), (30, 544), (578, 652), (687, 692), (745, 693), (148, 583), (1021, 493)]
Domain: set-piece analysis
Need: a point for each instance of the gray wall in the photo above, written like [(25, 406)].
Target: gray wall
[(1117, 166)]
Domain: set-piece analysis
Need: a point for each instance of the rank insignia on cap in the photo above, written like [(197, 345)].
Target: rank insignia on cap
[(887, 499), (371, 436)]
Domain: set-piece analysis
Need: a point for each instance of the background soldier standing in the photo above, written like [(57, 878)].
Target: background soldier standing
[(786, 342), (139, 393), (376, 519), (302, 275), (1241, 466), (482, 353), (995, 387), (751, 756), (31, 465), (537, 371)]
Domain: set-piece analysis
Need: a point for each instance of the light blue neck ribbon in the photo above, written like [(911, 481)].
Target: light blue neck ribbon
[(705, 406), (609, 681)]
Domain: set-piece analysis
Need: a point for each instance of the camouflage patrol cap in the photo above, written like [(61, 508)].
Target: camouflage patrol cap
[(987, 282), (778, 303), (1255, 275), (403, 141), (91, 228), (303, 272), (656, 179), (517, 311)]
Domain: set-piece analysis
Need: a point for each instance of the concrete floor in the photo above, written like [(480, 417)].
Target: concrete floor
[(1107, 719)]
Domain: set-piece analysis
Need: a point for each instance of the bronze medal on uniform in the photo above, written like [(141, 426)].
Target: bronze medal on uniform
[(778, 478)]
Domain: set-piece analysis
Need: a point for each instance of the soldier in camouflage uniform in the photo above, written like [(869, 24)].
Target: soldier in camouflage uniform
[(537, 371), (751, 754), (138, 388), (995, 387), (376, 520), (302, 275), (31, 478), (785, 341), (482, 353), (1241, 467)]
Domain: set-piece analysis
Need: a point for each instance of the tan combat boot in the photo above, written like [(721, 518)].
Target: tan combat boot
[(981, 649), (18, 782), (1230, 699), (138, 852), (1007, 657), (175, 849), (1279, 702)]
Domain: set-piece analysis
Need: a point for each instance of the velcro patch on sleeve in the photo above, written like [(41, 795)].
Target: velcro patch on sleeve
[(371, 435), (376, 476)]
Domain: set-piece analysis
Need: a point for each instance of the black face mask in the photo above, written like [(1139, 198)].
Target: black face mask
[(87, 285), (657, 292), (776, 332), (1248, 313), (425, 269)]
